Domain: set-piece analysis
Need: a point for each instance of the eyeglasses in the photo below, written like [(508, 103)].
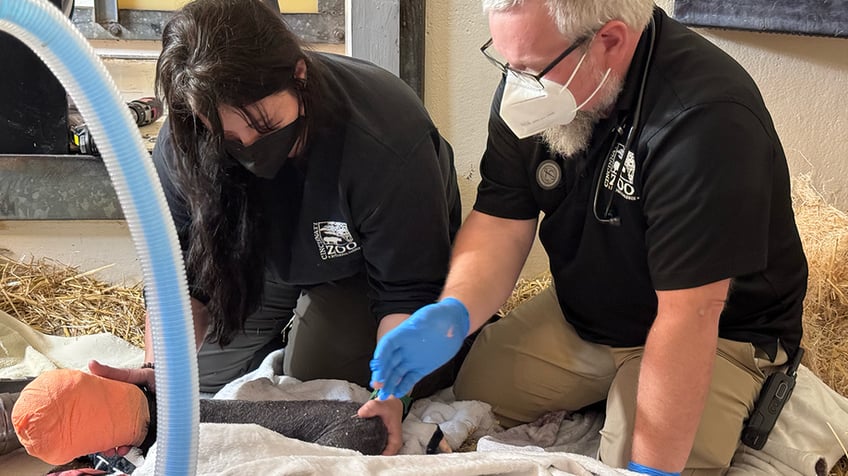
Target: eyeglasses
[(529, 79)]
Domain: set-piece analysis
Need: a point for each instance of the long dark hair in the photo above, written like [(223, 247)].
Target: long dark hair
[(234, 53)]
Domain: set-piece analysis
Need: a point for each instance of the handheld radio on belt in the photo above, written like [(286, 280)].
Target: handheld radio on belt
[(776, 391)]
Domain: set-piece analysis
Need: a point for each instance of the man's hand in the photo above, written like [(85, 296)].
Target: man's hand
[(418, 346), (143, 377), (391, 412)]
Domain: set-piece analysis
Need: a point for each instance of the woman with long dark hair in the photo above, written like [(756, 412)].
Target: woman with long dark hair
[(313, 196)]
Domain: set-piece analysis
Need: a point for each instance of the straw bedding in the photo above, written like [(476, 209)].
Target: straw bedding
[(60, 300)]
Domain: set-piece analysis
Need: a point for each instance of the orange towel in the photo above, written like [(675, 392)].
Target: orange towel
[(64, 414)]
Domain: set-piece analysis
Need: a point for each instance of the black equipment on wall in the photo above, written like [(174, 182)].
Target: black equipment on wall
[(33, 104)]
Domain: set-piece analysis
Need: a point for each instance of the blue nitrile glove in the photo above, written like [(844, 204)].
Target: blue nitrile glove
[(633, 466), (419, 345)]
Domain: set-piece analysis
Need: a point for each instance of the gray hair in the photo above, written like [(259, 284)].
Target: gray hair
[(575, 18)]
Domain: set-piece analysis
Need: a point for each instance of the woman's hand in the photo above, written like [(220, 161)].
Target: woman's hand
[(144, 377), (391, 412)]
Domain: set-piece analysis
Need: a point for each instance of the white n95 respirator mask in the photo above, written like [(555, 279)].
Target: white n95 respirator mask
[(528, 111)]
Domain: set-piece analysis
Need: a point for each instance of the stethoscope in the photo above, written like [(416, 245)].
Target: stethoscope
[(607, 218)]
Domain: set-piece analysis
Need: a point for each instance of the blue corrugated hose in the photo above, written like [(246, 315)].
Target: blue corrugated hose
[(43, 27)]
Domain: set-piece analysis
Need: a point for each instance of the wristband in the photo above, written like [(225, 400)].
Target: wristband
[(633, 466), (406, 400)]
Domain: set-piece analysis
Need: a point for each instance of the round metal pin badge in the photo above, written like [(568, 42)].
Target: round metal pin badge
[(548, 174)]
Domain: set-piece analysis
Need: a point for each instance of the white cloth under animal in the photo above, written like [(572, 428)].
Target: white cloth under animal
[(559, 443)]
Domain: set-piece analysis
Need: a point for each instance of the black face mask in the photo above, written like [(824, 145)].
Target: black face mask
[(265, 157)]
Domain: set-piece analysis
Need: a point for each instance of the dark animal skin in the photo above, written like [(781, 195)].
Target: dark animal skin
[(325, 422)]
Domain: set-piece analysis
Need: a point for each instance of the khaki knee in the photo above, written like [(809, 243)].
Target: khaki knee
[(532, 362)]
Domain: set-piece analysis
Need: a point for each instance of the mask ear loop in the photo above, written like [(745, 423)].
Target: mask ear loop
[(600, 85), (574, 73)]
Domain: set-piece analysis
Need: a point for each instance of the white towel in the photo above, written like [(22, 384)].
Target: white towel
[(25, 352), (801, 442), (228, 449)]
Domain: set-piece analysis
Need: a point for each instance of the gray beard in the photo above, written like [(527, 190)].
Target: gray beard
[(574, 137)]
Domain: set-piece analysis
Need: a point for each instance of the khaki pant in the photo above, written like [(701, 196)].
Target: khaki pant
[(532, 362)]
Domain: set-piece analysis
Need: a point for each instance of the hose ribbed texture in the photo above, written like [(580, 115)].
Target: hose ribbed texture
[(52, 36)]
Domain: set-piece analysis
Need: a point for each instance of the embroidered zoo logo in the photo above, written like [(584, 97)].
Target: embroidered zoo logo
[(625, 185), (334, 239)]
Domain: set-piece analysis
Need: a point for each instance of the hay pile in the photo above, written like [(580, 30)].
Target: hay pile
[(56, 299), (59, 300), (824, 231)]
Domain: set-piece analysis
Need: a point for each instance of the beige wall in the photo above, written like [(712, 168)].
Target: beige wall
[(804, 81), (458, 88)]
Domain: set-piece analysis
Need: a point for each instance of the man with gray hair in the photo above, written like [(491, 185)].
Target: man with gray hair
[(678, 271)]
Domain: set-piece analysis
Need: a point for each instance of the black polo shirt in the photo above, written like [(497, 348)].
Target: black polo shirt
[(375, 194), (704, 196)]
